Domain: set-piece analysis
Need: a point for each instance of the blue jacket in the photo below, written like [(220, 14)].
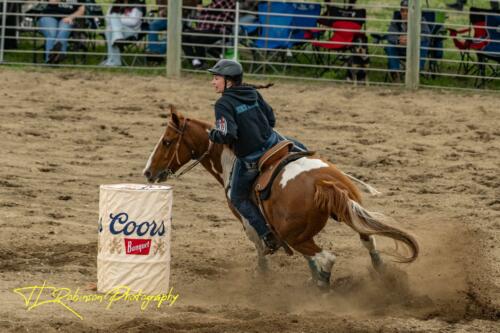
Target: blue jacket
[(243, 120)]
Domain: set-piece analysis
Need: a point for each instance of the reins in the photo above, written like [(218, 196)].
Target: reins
[(176, 152)]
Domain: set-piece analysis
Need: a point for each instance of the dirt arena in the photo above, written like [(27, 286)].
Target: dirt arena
[(435, 156)]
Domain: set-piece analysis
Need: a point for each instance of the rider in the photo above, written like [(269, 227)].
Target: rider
[(245, 122)]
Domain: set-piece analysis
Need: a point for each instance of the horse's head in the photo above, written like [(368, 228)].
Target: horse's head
[(171, 152)]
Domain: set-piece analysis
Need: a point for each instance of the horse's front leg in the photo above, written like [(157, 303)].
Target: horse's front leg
[(320, 262), (262, 261)]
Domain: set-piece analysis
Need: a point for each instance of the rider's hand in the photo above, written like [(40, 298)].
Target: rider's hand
[(211, 134)]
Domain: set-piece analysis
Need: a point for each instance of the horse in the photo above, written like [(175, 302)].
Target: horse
[(304, 195)]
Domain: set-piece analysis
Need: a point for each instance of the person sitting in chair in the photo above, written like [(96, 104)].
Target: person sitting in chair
[(245, 122), (122, 21), (397, 38), (155, 45), (57, 20), (212, 20)]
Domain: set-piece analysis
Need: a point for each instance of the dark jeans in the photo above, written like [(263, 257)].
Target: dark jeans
[(201, 51), (245, 173), (397, 52), (297, 145)]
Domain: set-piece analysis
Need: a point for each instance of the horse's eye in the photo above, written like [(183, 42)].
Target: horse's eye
[(166, 143)]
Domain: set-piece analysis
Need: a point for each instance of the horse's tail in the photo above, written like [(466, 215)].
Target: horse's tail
[(369, 188), (336, 201)]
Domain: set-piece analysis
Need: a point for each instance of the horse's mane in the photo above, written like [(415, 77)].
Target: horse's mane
[(200, 122)]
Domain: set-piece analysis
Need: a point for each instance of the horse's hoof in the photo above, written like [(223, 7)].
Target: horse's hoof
[(377, 262), (262, 269), (318, 285), (323, 286)]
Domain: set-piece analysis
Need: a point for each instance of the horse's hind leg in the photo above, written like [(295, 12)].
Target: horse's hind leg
[(320, 262), (369, 244)]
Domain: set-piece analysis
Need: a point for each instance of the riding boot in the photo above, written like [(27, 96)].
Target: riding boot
[(271, 242)]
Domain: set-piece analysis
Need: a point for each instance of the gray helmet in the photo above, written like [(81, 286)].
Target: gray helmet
[(225, 67)]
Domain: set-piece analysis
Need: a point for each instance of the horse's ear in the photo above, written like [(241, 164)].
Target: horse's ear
[(175, 115)]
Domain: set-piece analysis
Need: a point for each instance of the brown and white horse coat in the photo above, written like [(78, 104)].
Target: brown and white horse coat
[(306, 193)]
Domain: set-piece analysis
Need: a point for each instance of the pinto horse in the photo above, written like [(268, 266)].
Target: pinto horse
[(304, 195)]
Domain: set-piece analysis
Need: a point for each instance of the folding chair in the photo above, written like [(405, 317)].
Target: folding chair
[(490, 52), (469, 43), (272, 39), (135, 46), (485, 43), (346, 25), (306, 17)]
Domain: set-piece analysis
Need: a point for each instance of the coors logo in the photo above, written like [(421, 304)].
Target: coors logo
[(121, 224), (137, 246)]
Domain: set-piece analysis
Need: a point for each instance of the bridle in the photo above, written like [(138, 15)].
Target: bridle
[(175, 155)]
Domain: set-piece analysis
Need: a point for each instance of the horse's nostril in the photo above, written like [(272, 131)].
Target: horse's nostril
[(147, 173)]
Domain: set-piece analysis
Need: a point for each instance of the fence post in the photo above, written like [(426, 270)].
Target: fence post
[(236, 30), (2, 32), (174, 38), (413, 45)]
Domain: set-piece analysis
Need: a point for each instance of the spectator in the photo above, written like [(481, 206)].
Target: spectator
[(245, 27), (122, 21), (398, 38), (58, 18), (251, 6), (213, 20), (155, 46)]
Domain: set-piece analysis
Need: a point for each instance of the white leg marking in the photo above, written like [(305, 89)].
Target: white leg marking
[(370, 244), (262, 261), (324, 260), (295, 168), (227, 162)]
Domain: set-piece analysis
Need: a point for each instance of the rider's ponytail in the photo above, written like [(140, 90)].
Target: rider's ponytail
[(258, 86)]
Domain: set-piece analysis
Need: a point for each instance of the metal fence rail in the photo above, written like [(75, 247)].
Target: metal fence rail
[(311, 40)]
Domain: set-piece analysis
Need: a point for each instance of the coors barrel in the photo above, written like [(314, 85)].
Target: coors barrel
[(134, 237)]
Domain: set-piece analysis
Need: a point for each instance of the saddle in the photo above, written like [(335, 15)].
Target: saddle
[(270, 165), (269, 161)]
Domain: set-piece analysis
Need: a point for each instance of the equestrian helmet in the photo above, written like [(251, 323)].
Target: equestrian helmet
[(227, 68)]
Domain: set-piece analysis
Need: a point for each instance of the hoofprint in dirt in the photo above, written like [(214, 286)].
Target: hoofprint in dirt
[(434, 155)]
